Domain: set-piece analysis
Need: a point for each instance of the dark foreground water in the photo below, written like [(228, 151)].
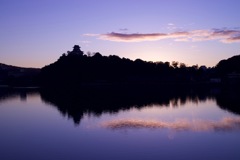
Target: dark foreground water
[(41, 127)]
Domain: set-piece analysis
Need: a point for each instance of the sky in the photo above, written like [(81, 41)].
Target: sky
[(35, 33)]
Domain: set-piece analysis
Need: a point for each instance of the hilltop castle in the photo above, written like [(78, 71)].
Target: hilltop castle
[(76, 51)]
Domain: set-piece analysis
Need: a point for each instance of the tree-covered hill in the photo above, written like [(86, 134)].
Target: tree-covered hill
[(18, 76), (75, 68), (229, 65)]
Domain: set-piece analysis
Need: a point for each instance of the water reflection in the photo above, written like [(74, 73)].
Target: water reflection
[(229, 100), (225, 124), (8, 93), (75, 103)]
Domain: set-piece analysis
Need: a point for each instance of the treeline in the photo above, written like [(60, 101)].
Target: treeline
[(76, 68), (228, 66), (18, 76)]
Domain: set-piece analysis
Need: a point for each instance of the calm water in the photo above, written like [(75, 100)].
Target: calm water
[(33, 126)]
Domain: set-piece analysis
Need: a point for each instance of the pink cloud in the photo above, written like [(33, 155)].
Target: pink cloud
[(134, 37), (223, 35), (232, 39)]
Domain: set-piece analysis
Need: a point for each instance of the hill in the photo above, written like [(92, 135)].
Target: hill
[(75, 69), (18, 76), (229, 65)]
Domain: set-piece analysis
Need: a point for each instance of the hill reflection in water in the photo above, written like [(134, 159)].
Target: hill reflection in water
[(74, 103)]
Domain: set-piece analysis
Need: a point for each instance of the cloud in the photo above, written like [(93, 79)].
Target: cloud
[(123, 29), (232, 39), (92, 34), (135, 37), (225, 124), (85, 42), (222, 35), (170, 24)]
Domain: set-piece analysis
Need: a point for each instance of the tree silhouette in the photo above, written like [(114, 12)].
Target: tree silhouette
[(77, 69)]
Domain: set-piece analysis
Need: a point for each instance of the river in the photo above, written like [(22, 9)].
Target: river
[(40, 126)]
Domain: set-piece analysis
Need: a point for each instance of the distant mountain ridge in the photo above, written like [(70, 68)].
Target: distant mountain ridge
[(14, 75)]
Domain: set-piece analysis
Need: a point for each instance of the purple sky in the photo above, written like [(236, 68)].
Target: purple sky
[(35, 33)]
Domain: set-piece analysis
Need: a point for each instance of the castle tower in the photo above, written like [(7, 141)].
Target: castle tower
[(76, 50)]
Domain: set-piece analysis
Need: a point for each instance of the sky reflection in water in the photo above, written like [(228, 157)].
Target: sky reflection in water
[(33, 129), (191, 116), (226, 124)]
